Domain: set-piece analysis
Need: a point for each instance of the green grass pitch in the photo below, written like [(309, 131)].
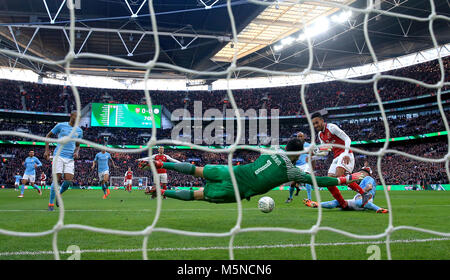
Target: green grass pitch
[(135, 211)]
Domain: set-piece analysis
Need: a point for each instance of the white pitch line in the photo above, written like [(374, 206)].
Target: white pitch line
[(35, 253)]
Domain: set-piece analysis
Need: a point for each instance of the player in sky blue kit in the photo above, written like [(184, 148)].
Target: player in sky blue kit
[(17, 178), (368, 184), (64, 163), (301, 163), (102, 159), (29, 176), (140, 183)]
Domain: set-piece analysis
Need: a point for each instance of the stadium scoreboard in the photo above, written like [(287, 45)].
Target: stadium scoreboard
[(124, 115)]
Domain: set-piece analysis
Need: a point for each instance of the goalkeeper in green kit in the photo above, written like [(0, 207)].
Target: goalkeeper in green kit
[(264, 174)]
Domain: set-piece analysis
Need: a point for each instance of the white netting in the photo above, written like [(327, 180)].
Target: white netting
[(146, 232)]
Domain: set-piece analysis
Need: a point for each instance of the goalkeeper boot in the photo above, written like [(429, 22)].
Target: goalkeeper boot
[(289, 200), (51, 207), (354, 177), (382, 211)]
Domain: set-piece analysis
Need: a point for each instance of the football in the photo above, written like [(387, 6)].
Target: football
[(266, 204)]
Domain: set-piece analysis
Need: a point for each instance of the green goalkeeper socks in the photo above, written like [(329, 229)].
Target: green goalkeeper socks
[(322, 181), (182, 167), (180, 194)]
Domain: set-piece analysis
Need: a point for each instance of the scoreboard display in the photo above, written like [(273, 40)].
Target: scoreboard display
[(124, 115)]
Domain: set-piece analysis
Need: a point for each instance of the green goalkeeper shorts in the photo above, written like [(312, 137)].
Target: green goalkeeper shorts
[(219, 188)]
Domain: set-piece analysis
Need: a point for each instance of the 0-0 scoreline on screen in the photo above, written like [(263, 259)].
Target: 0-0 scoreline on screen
[(124, 115)]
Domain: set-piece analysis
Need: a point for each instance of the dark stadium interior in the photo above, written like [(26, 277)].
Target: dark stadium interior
[(332, 51)]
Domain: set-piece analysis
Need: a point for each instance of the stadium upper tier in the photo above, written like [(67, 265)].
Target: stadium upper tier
[(58, 99)]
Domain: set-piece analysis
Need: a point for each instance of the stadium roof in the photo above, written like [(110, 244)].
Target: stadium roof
[(196, 35)]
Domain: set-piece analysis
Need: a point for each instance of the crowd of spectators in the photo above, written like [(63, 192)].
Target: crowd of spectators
[(53, 98), (397, 169), (366, 129)]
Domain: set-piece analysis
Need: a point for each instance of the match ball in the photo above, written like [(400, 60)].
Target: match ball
[(266, 204)]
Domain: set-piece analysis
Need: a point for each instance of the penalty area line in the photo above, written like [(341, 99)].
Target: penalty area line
[(276, 246)]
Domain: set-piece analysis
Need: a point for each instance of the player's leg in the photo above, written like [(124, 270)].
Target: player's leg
[(334, 189), (291, 192), (297, 188), (22, 188), (330, 204), (34, 185), (181, 167), (129, 186), (53, 192), (105, 182), (184, 194), (308, 191), (68, 182)]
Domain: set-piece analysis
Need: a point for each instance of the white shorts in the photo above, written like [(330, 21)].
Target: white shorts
[(305, 168), (337, 162), (42, 183), (140, 184), (29, 178), (162, 178), (64, 165), (128, 182), (102, 174), (16, 183)]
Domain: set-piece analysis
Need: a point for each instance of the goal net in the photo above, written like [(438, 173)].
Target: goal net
[(136, 182), (371, 9)]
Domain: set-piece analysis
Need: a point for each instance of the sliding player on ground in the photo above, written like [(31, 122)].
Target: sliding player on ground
[(368, 184), (259, 177), (29, 176), (102, 160), (64, 163), (344, 160)]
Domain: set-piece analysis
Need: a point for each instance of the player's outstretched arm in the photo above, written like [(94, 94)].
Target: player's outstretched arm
[(47, 149)]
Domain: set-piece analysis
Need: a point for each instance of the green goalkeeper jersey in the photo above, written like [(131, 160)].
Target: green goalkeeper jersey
[(267, 172)]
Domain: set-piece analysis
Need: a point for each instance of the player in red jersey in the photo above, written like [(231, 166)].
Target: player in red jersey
[(162, 173), (43, 179), (128, 181), (344, 160)]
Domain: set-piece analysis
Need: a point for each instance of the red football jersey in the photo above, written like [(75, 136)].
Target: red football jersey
[(332, 134), (162, 158), (43, 177), (129, 175)]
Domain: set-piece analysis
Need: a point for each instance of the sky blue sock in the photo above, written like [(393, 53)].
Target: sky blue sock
[(371, 206), (330, 204), (22, 189), (52, 194), (308, 190), (291, 192), (35, 187), (65, 186), (104, 187)]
